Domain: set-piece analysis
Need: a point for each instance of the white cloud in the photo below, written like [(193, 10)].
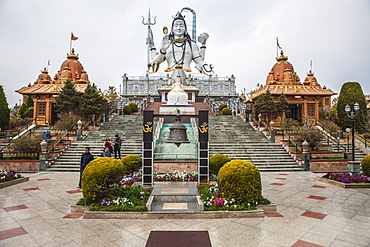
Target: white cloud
[(334, 34)]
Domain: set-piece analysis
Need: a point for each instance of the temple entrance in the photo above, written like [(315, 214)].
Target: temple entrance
[(295, 112)]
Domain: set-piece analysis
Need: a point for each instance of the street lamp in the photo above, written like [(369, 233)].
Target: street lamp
[(352, 114)]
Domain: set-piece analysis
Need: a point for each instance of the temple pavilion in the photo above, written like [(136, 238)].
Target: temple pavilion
[(44, 90), (304, 98)]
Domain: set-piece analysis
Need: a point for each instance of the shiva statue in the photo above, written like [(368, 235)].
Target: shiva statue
[(177, 48)]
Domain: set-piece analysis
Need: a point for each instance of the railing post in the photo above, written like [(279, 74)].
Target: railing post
[(305, 156), (44, 156)]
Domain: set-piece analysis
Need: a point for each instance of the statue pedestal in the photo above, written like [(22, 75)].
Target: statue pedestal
[(172, 109)]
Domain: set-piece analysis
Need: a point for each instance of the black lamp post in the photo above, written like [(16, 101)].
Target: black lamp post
[(352, 114)]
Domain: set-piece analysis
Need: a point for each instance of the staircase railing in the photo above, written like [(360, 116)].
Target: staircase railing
[(195, 129), (157, 132), (57, 141), (329, 136), (362, 139)]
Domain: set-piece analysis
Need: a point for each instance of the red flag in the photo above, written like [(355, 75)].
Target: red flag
[(73, 37)]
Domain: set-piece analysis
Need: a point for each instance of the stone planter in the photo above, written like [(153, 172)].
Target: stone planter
[(344, 185), (13, 182), (328, 166)]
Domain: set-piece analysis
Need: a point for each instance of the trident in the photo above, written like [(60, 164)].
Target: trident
[(150, 34)]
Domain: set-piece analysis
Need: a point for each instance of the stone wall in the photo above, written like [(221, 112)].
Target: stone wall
[(328, 166), (170, 167), (20, 165)]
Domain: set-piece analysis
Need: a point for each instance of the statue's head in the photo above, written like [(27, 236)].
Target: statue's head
[(179, 26)]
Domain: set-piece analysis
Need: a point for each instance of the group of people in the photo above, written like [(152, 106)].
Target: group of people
[(109, 146)]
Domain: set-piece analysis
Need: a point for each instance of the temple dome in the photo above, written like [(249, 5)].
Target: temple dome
[(72, 69), (311, 80), (282, 72), (43, 78)]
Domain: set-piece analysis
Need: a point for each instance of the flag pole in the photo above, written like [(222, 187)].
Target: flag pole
[(70, 45)]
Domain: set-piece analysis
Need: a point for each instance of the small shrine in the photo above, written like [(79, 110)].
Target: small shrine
[(304, 98), (45, 89)]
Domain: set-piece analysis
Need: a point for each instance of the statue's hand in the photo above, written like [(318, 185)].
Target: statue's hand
[(165, 43), (202, 38)]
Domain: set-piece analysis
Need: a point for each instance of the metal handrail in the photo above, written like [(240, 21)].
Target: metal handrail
[(362, 139), (57, 141), (329, 136)]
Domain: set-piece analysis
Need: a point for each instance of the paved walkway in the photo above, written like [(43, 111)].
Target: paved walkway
[(309, 213)]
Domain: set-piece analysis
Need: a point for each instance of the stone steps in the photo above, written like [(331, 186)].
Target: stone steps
[(174, 200), (238, 140), (127, 126)]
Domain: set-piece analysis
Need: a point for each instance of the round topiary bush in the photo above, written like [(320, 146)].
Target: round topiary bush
[(133, 107), (222, 106), (365, 165), (132, 163), (216, 162), (240, 180), (127, 109), (99, 176), (226, 111)]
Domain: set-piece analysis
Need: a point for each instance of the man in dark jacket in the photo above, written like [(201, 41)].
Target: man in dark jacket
[(85, 159), (117, 146)]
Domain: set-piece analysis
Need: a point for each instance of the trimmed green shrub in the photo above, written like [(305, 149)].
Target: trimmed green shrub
[(226, 111), (365, 165), (222, 106), (240, 180), (99, 176), (28, 113), (127, 109), (68, 122), (132, 163), (27, 143), (350, 93), (216, 162), (133, 107)]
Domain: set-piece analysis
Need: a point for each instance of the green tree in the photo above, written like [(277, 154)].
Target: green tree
[(112, 95), (350, 93), (68, 100), (282, 106), (26, 108), (91, 102), (266, 106), (4, 110), (29, 102)]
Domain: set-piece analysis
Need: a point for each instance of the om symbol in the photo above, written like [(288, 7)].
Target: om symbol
[(147, 127), (203, 128)]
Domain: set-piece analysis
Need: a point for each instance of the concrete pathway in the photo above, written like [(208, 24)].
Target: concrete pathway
[(309, 213)]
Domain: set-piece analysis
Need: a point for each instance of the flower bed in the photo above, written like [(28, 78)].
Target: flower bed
[(177, 176), (346, 180), (214, 201), (8, 178), (9, 175), (347, 177), (125, 196)]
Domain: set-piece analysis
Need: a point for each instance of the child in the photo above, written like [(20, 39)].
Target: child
[(106, 153)]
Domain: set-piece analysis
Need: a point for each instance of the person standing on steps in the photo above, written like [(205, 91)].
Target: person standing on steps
[(117, 146), (106, 153), (86, 157)]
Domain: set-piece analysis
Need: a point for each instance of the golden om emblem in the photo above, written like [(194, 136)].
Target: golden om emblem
[(147, 127), (203, 128)]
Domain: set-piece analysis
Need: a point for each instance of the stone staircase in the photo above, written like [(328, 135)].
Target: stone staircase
[(174, 200), (359, 155), (231, 136), (127, 126)]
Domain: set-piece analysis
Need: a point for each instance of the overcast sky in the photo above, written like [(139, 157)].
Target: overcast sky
[(334, 34)]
